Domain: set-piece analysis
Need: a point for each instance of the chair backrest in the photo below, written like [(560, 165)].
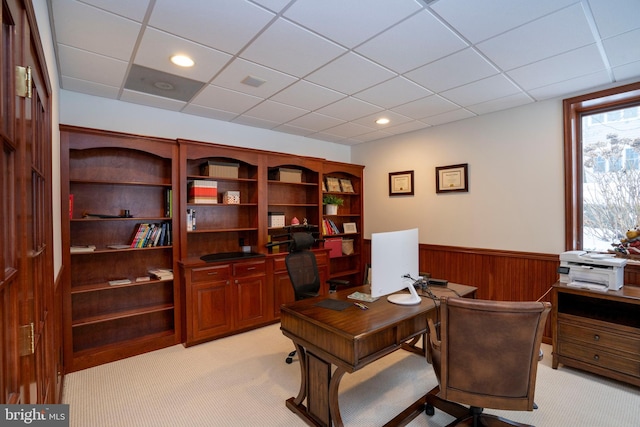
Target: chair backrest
[(489, 352), (302, 266)]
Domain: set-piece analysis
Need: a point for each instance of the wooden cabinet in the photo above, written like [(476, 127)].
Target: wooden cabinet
[(345, 181), (112, 184), (598, 331), (224, 298)]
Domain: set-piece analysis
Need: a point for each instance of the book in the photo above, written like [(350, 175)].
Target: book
[(161, 273), (70, 206), (82, 249), (143, 279), (119, 246), (119, 282)]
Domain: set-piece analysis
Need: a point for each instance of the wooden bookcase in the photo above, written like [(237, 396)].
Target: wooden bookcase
[(346, 266), (102, 175)]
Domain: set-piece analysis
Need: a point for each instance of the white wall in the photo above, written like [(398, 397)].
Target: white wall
[(516, 184), (109, 114)]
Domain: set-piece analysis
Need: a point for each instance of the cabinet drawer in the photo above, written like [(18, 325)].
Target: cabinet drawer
[(208, 274), (599, 337), (249, 268), (597, 357)]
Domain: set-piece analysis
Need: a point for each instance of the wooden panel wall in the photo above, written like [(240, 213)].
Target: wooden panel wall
[(498, 275)]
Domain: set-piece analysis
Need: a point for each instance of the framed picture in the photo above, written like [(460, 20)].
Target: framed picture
[(346, 185), (401, 183), (350, 227), (333, 184), (452, 178)]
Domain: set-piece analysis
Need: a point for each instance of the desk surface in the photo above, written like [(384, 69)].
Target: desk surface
[(353, 337)]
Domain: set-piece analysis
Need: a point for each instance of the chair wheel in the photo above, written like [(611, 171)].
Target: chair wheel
[(429, 409), (289, 360)]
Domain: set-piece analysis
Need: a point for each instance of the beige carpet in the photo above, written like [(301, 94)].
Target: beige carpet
[(243, 381)]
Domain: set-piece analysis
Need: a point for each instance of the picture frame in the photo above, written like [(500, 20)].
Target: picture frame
[(350, 228), (401, 183), (333, 185), (453, 178), (346, 185)]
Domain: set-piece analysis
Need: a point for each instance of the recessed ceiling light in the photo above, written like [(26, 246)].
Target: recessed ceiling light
[(383, 121), (182, 60)]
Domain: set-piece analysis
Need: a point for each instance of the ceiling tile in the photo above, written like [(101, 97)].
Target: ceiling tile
[(394, 119), (307, 95), (448, 117), (480, 91), (212, 23), (315, 122), (624, 48), (349, 109), (412, 43), (615, 17), (239, 69), (455, 70), (291, 49), (572, 86), (84, 65), (225, 99), (212, 113), (275, 112), (335, 18), (350, 73), (348, 130), (579, 62), (393, 92), (255, 122), (480, 20), (90, 88), (130, 9), (72, 18), (628, 71), (406, 127), (424, 107), (498, 104), (553, 34), (157, 47), (274, 5), (151, 100)]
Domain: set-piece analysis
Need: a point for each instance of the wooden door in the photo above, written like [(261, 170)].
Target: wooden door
[(29, 362)]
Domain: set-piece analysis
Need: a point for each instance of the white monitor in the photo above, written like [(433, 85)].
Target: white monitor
[(394, 256)]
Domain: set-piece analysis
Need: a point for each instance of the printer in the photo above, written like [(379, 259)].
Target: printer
[(595, 271)]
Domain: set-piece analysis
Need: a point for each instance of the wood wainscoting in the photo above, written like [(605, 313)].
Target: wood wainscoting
[(498, 274)]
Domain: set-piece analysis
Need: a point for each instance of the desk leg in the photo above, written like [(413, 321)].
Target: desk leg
[(334, 407), (302, 357)]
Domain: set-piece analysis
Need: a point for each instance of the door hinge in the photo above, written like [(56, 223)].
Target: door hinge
[(26, 340), (23, 81)]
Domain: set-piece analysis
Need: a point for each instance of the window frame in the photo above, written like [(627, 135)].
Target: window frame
[(573, 109)]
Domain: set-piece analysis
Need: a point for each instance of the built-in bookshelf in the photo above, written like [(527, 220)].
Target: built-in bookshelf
[(343, 230), (119, 231)]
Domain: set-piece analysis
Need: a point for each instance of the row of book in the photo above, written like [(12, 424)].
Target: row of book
[(329, 227), (152, 234)]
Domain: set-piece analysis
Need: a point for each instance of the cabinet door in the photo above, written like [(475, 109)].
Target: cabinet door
[(251, 301), (282, 290), (211, 311)]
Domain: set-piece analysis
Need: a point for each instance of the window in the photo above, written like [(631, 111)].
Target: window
[(602, 174)]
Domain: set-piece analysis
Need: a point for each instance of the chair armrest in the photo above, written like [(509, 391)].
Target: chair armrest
[(433, 335)]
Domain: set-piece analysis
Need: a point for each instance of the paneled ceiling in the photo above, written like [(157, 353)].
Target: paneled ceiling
[(327, 69)]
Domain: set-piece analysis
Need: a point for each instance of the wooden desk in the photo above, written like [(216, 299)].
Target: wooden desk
[(349, 339)]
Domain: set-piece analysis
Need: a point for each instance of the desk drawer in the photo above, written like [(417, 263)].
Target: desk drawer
[(592, 336), (210, 274), (249, 268), (598, 357)]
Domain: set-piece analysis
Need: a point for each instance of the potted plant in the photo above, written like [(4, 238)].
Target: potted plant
[(332, 202)]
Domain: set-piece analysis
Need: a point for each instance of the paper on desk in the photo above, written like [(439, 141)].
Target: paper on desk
[(588, 285)]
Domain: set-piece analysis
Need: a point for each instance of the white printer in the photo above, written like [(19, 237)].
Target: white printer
[(592, 270)]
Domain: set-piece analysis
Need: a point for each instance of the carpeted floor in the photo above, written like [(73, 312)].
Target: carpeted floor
[(243, 381)]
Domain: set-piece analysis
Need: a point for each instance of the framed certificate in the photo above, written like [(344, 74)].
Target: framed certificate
[(452, 178), (346, 185), (401, 183), (333, 185)]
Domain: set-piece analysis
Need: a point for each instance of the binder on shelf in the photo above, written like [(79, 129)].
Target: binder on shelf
[(191, 219)]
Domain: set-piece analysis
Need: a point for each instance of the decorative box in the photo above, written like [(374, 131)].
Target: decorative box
[(276, 219), (202, 191), (231, 197), (220, 169), (288, 175), (334, 245)]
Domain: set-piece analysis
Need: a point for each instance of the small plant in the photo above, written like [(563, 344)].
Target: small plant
[(332, 199)]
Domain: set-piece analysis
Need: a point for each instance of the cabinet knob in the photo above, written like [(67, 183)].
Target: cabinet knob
[(596, 337), (236, 281), (596, 357)]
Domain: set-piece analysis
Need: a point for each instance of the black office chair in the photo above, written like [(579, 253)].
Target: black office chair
[(303, 270)]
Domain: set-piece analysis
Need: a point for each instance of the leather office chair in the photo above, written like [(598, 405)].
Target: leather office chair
[(303, 270), (486, 357)]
